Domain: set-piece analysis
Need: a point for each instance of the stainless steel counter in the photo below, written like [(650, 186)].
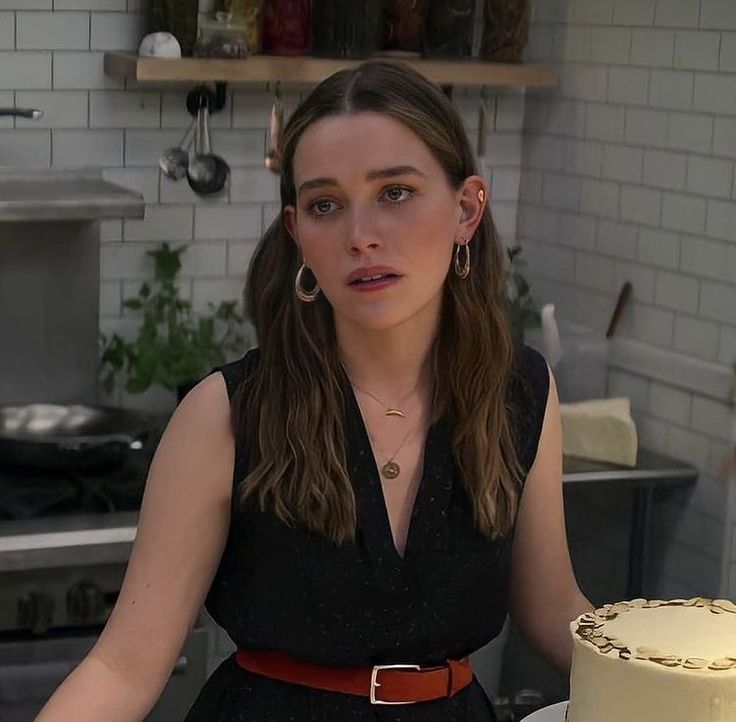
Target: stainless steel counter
[(651, 468), (64, 541), (63, 195)]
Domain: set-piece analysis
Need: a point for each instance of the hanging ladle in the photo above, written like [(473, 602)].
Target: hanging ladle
[(207, 172), (175, 161)]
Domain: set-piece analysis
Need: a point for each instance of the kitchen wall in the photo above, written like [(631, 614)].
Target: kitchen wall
[(51, 57), (628, 174)]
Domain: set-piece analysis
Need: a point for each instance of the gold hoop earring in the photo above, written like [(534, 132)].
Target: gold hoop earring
[(306, 296), (464, 269)]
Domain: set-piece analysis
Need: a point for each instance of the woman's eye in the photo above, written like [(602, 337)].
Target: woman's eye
[(394, 193), (320, 207)]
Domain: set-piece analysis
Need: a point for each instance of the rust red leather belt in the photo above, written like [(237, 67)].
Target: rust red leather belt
[(382, 684)]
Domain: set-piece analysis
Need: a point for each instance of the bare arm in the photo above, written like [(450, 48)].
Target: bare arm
[(182, 528), (544, 594)]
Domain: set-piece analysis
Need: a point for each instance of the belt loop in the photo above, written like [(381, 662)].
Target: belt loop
[(453, 681)]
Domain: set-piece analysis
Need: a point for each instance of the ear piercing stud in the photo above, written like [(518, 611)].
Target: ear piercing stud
[(481, 195)]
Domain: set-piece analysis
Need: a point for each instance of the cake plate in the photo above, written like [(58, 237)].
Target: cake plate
[(553, 713)]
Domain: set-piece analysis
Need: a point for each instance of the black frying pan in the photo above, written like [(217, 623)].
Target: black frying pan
[(60, 437)]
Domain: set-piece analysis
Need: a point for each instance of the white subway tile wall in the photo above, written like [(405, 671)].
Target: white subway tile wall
[(652, 197), (51, 31)]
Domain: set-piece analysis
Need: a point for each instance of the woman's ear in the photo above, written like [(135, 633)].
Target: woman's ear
[(473, 195)]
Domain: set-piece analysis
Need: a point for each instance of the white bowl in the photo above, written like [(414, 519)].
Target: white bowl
[(159, 45), (553, 713)]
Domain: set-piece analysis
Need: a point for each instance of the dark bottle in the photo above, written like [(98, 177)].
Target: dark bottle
[(178, 17), (449, 29), (347, 28), (287, 27)]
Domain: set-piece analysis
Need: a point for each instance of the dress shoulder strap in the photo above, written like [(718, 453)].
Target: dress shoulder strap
[(529, 392), (235, 371)]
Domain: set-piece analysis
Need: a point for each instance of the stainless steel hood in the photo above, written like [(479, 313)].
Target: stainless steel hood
[(64, 195)]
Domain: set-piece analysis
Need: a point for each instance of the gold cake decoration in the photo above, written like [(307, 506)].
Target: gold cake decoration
[(589, 629), (695, 663)]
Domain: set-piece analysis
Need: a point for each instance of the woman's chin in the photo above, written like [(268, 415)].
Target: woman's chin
[(377, 323)]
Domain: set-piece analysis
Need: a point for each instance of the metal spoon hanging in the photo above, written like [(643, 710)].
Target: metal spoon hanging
[(175, 161), (207, 173)]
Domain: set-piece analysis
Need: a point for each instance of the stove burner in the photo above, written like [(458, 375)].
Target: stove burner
[(25, 494)]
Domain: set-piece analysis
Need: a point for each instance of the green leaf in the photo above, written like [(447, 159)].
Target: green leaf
[(173, 345), (520, 309)]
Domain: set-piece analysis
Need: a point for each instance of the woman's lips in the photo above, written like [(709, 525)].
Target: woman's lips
[(376, 285)]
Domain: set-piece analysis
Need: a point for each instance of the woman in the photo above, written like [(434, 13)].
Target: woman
[(349, 494)]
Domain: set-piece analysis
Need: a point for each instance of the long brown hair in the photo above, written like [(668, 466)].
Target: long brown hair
[(292, 415)]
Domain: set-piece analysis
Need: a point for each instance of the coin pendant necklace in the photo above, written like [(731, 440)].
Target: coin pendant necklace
[(390, 470)]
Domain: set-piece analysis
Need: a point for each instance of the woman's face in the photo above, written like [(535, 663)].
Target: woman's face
[(370, 193)]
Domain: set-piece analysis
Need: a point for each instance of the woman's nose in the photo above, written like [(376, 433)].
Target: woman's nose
[(362, 230)]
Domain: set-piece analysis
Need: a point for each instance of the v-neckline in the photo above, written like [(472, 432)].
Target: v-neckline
[(375, 509)]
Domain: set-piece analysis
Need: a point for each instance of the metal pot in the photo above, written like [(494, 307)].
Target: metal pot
[(58, 437)]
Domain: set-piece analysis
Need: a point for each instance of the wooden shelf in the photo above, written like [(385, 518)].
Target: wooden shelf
[(306, 69)]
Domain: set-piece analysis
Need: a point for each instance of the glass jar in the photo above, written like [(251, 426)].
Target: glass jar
[(287, 27), (347, 28), (221, 38), (505, 30), (248, 13), (404, 25), (450, 28), (178, 17)]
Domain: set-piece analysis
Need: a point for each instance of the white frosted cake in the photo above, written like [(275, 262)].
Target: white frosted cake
[(655, 661)]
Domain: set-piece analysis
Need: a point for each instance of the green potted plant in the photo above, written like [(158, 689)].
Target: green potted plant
[(173, 348), (521, 309)]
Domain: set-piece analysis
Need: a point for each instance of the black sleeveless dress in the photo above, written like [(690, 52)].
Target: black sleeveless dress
[(361, 603)]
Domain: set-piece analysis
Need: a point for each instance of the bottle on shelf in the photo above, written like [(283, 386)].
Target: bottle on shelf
[(347, 28), (287, 27), (451, 28)]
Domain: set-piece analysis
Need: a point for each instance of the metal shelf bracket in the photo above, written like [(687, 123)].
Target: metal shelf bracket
[(202, 95)]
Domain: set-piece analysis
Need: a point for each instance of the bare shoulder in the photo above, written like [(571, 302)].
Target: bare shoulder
[(200, 427), (208, 397)]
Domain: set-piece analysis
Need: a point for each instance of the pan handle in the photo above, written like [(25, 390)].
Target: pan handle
[(81, 443)]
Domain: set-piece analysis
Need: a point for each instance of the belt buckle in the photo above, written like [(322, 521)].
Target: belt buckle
[(374, 683)]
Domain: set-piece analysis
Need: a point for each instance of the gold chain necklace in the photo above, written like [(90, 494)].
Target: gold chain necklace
[(391, 469), (389, 410)]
